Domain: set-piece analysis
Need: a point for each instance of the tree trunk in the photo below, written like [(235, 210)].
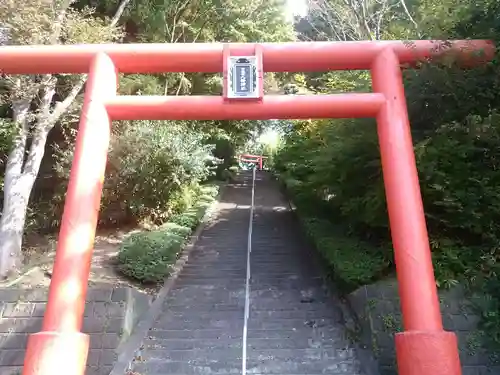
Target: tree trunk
[(20, 176), (12, 224), (18, 185)]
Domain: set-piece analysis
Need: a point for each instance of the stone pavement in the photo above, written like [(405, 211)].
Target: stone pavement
[(110, 315), (294, 325)]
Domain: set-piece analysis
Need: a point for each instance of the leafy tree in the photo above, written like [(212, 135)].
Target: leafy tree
[(38, 102), (150, 166), (335, 165), (32, 106)]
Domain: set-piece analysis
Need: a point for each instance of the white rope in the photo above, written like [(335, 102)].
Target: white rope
[(247, 285)]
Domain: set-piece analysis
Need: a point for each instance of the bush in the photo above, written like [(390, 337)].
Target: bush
[(148, 257), (176, 229), (349, 261), (188, 219), (154, 170), (156, 167)]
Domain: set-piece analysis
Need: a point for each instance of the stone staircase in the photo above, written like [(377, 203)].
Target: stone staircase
[(294, 326)]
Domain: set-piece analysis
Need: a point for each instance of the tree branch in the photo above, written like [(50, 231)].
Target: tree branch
[(403, 3), (119, 13), (61, 107), (49, 84), (58, 22)]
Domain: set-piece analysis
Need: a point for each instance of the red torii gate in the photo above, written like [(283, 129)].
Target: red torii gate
[(249, 158), (60, 348)]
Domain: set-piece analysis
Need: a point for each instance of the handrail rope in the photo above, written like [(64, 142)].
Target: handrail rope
[(247, 284)]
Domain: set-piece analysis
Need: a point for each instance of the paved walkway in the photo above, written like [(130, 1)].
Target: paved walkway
[(294, 326)]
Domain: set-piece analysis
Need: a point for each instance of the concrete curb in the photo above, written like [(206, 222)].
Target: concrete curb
[(130, 349)]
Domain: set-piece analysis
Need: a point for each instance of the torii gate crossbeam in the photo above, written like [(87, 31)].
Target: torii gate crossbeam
[(253, 159), (60, 348)]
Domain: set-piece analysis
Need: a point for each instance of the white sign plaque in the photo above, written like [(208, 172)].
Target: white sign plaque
[(243, 77)]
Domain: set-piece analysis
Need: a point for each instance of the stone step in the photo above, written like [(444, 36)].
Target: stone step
[(275, 293), (206, 292), (334, 366), (193, 301), (340, 363), (287, 304), (286, 285), (215, 267), (293, 289), (234, 321), (199, 367), (258, 334), (283, 266), (258, 315), (292, 323), (192, 344), (196, 323), (255, 315), (192, 314), (200, 334), (207, 308), (271, 306), (258, 250), (292, 333), (186, 281), (297, 343), (262, 344), (234, 354), (294, 326), (212, 274), (257, 277), (206, 355), (302, 355), (240, 259)]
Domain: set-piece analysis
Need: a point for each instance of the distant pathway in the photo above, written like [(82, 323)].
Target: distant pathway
[(294, 326)]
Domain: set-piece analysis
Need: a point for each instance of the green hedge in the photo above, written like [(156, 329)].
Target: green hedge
[(350, 261), (148, 257)]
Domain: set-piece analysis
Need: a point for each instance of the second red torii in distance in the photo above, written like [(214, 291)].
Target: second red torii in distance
[(249, 158)]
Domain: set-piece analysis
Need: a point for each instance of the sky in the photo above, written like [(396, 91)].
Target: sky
[(270, 138), (296, 8)]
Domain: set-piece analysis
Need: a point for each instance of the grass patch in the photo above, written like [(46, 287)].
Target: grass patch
[(148, 257)]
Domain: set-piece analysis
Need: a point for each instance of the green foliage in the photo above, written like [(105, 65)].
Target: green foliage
[(333, 167), (130, 192), (32, 22), (153, 171), (487, 305), (224, 151), (351, 262), (187, 219), (459, 166), (148, 257)]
